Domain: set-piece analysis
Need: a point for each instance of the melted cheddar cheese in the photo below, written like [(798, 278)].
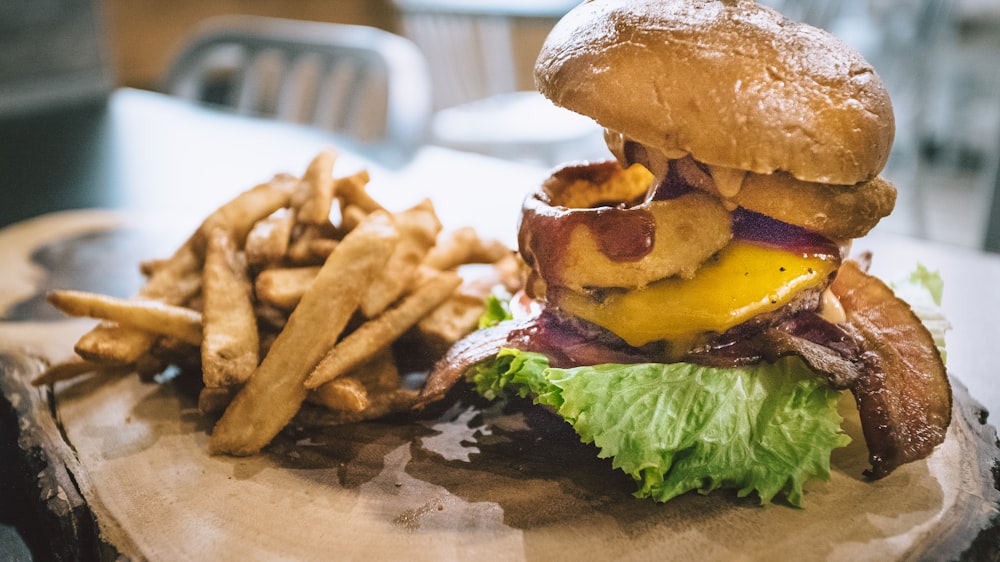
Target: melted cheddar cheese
[(742, 281)]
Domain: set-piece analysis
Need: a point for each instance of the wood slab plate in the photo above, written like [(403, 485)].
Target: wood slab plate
[(121, 466)]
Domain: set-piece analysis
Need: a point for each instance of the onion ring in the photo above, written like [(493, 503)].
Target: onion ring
[(589, 226)]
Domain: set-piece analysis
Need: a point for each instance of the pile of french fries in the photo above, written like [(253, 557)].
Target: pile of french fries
[(294, 291)]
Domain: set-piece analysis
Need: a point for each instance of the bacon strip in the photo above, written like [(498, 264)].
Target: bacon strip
[(467, 352), (825, 352), (566, 343), (904, 396)]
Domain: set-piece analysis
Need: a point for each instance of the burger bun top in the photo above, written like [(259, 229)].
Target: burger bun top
[(729, 82)]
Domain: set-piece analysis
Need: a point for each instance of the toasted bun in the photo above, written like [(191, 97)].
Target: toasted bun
[(732, 83)]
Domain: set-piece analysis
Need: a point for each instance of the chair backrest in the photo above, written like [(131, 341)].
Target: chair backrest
[(473, 45), (365, 83)]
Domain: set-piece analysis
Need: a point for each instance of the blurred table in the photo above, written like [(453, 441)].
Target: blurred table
[(170, 163), (148, 153)]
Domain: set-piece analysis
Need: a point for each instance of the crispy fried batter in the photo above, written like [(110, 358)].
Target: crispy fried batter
[(836, 211), (589, 227)]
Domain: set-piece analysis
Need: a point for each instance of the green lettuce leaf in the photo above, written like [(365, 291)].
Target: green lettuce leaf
[(497, 309), (922, 290), (680, 427)]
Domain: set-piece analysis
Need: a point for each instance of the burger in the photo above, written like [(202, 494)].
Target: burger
[(690, 305)]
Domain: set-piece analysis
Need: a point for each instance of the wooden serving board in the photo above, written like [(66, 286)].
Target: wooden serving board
[(119, 465)]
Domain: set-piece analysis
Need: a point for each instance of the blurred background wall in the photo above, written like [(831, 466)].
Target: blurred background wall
[(51, 52), (144, 34)]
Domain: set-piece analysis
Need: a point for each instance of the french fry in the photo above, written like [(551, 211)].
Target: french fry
[(450, 322), (345, 393), (66, 370), (283, 287), (322, 299), (229, 347), (275, 390), (267, 241), (355, 390), (418, 228), (351, 216), (147, 267), (399, 400), (168, 350), (321, 248), (351, 190), (462, 246), (270, 320), (314, 196), (310, 247), (215, 399), (174, 280), (143, 314), (111, 344), (361, 344), (379, 374), (239, 214)]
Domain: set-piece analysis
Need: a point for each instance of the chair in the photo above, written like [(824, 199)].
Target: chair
[(481, 53), (471, 44), (364, 83)]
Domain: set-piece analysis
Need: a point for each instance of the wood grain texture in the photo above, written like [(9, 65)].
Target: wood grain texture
[(472, 481), (43, 468)]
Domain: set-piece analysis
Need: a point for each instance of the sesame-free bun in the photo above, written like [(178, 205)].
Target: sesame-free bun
[(731, 83)]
